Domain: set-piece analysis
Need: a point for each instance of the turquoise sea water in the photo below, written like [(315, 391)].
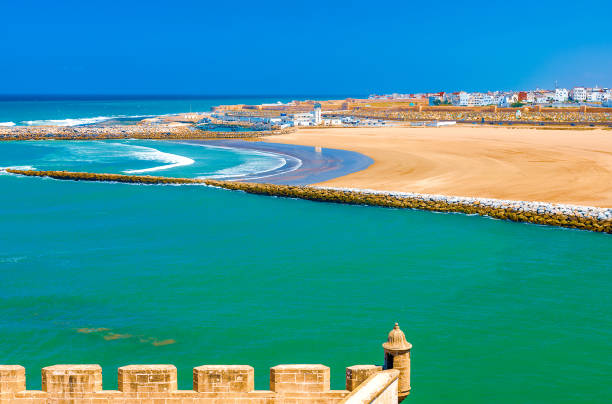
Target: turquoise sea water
[(190, 275)]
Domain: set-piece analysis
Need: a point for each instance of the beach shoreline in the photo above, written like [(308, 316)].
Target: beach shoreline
[(305, 165), (552, 166)]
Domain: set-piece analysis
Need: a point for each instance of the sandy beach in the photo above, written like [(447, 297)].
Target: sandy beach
[(557, 166)]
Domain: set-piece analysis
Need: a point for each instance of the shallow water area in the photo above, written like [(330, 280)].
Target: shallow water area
[(143, 157)]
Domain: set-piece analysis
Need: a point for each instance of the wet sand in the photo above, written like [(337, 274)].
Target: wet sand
[(557, 166), (305, 165)]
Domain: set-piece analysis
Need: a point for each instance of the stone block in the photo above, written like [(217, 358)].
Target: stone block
[(299, 378), (224, 378), (12, 378), (72, 379), (147, 378), (355, 375)]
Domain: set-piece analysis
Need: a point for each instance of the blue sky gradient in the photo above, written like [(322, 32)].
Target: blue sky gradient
[(301, 47)]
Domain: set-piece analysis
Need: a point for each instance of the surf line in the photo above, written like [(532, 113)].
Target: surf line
[(291, 162)]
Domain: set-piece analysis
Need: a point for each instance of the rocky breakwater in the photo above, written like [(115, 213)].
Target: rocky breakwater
[(132, 179), (578, 217), (571, 216), (125, 132)]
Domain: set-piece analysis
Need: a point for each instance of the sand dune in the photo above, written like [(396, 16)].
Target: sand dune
[(562, 166)]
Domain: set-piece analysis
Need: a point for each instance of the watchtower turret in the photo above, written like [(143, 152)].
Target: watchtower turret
[(397, 356)]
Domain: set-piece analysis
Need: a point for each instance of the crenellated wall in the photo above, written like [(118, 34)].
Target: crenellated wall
[(212, 384)]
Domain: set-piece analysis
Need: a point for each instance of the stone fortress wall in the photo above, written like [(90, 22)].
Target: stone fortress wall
[(215, 384)]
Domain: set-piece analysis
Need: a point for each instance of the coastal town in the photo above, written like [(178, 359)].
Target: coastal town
[(577, 106), (559, 97)]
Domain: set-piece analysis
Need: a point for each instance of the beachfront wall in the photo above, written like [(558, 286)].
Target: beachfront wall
[(212, 384)]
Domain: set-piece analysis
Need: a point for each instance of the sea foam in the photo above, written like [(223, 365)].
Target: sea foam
[(253, 168), (67, 122), (77, 121), (150, 154), (7, 123), (3, 169)]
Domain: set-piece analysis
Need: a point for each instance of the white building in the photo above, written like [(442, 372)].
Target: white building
[(332, 122), (480, 99), (317, 114), (304, 118), (561, 94), (579, 94), (503, 101), (596, 95)]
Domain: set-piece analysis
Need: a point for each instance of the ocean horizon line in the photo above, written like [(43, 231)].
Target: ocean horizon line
[(53, 97)]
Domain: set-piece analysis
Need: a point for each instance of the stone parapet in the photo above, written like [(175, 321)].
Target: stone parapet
[(72, 379), (299, 378), (150, 384), (12, 378), (355, 375), (147, 378), (379, 388), (224, 378)]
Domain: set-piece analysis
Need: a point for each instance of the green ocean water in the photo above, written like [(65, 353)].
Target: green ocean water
[(190, 275)]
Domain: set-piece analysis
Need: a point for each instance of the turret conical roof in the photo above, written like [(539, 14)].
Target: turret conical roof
[(396, 341)]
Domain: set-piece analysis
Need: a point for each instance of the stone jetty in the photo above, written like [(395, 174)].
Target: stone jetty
[(126, 132), (570, 216)]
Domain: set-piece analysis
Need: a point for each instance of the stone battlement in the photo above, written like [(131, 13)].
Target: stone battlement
[(212, 384)]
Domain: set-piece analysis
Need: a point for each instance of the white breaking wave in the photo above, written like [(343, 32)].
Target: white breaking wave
[(252, 169), (249, 168), (7, 123), (67, 122), (151, 154), (77, 121), (110, 152), (3, 169)]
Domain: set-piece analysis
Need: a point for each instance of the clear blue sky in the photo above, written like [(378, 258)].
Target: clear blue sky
[(300, 47)]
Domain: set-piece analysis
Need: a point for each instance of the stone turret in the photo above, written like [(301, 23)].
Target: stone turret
[(397, 356)]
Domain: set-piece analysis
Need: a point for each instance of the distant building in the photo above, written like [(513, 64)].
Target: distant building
[(480, 99), (596, 95), (317, 114), (332, 122), (504, 101), (561, 94), (304, 118), (542, 99), (579, 94)]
